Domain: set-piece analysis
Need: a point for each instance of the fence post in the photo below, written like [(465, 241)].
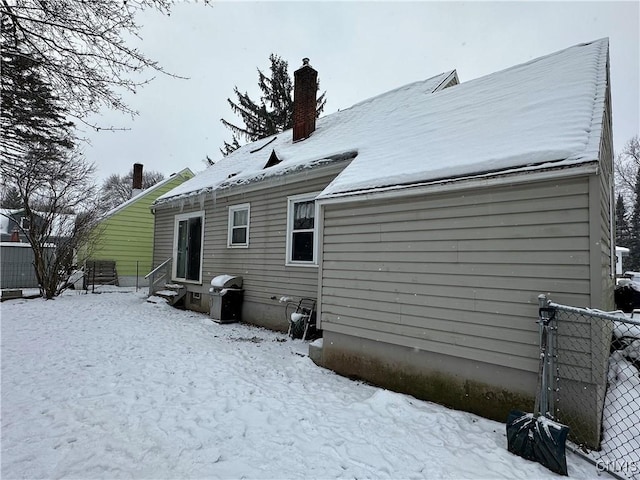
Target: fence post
[(137, 275), (541, 394), (552, 377)]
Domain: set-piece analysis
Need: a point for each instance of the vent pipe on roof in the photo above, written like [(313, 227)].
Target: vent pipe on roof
[(304, 101), (137, 179)]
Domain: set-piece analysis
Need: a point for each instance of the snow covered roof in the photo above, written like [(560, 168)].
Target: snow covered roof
[(337, 136), (546, 112), (5, 215), (61, 223), (147, 191)]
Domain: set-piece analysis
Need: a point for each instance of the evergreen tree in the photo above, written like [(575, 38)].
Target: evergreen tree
[(227, 148), (623, 233), (274, 111), (11, 198), (622, 225), (634, 244), (30, 112)]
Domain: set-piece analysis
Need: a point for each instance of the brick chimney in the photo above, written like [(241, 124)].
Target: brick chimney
[(137, 179), (304, 101)]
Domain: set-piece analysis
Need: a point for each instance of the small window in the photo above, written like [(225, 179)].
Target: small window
[(25, 224), (238, 234), (301, 230)]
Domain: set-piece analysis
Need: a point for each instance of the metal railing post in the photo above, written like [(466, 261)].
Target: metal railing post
[(541, 394)]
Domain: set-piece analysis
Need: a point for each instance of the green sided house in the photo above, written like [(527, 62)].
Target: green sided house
[(424, 222), (125, 234)]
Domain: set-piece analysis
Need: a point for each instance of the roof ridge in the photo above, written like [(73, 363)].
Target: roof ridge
[(487, 123), (597, 114), (538, 59), (443, 75)]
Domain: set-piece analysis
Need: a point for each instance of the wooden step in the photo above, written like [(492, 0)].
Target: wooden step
[(172, 293)]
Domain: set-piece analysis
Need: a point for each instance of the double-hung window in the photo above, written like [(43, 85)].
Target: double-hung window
[(238, 233), (301, 230), (187, 246)]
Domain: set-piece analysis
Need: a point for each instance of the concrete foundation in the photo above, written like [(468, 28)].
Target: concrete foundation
[(487, 390)]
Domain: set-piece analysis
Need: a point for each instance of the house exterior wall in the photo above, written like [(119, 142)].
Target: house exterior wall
[(262, 265), (449, 283), (584, 342), (605, 216), (127, 237)]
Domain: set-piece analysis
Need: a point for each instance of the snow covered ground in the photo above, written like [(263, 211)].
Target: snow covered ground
[(111, 386), (621, 422), (621, 419)]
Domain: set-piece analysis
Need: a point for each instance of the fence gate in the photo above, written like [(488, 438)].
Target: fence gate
[(595, 389)]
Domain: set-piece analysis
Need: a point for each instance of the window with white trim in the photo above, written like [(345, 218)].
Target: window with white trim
[(187, 247), (238, 233), (301, 229)]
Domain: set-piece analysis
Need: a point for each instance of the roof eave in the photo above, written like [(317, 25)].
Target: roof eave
[(319, 167), (511, 177)]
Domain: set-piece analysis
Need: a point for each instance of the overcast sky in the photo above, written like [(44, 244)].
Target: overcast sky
[(360, 49)]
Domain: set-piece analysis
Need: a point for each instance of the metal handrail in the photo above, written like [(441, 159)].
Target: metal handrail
[(158, 274), (155, 270)]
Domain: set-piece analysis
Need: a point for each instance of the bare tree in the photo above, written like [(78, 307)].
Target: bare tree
[(58, 195), (80, 47), (62, 59), (627, 166), (117, 189)]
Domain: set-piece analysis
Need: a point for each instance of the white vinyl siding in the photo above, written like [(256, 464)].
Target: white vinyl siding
[(238, 230)]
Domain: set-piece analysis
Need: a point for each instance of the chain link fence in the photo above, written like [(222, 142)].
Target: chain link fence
[(120, 273), (18, 272), (595, 384)]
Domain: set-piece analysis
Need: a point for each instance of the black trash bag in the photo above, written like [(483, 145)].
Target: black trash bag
[(627, 297), (538, 439)]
